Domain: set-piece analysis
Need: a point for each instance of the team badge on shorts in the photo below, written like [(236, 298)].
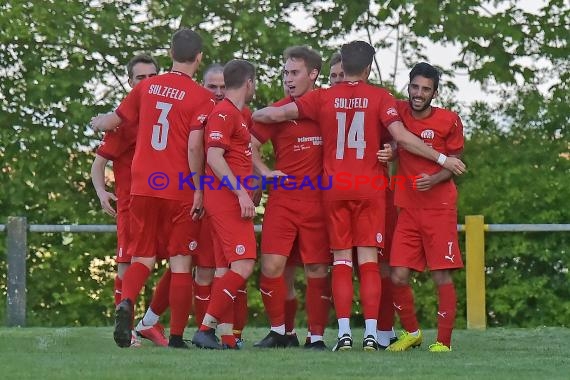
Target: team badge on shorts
[(193, 245), (379, 237), (240, 249)]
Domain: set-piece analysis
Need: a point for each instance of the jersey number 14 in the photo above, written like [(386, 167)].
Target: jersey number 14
[(355, 135)]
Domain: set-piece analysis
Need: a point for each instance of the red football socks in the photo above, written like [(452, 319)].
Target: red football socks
[(290, 314), (273, 291), (201, 301), (117, 290), (446, 313), (318, 296), (386, 310), (240, 309), (180, 302), (370, 289), (224, 294), (342, 290), (161, 295), (133, 281), (404, 305)]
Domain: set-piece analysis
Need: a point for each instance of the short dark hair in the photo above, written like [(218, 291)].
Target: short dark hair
[(312, 59), (335, 58), (214, 67), (426, 70), (140, 58), (356, 56), (237, 72), (185, 45)]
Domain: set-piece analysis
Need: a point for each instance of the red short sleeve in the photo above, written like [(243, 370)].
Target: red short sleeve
[(219, 130), (309, 105), (128, 110), (455, 140), (388, 110), (201, 114)]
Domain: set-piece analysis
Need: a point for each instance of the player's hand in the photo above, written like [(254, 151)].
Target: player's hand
[(105, 198), (246, 205), (455, 165), (386, 154), (256, 196), (197, 210), (99, 123), (275, 174), (423, 182)]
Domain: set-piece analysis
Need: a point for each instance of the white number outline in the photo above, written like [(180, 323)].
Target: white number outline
[(159, 137)]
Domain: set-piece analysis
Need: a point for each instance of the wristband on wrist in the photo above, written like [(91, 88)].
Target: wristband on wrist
[(441, 159)]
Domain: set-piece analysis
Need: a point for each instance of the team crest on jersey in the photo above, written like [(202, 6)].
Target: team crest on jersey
[(216, 135), (240, 249), (391, 111), (193, 245), (427, 134), (379, 237)]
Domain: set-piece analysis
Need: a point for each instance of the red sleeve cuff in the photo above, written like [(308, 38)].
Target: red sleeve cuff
[(216, 144)]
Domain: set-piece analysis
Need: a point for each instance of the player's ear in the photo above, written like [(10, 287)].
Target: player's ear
[(314, 74), (199, 57), (131, 82)]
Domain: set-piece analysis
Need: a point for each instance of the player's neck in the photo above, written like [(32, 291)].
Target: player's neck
[(186, 68), (422, 114), (237, 98), (354, 78)]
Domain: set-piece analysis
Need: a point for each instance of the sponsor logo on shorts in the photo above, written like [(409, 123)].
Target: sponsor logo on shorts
[(193, 245), (379, 237), (240, 249)]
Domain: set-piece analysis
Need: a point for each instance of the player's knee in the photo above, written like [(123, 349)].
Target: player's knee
[(399, 279), (317, 270), (204, 276)]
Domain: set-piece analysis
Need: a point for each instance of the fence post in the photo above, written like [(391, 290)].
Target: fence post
[(17, 249), (475, 268)]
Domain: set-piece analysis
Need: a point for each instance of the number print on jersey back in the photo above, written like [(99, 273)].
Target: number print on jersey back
[(355, 135), (160, 131)]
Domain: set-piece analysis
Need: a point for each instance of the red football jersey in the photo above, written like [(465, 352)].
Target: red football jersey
[(351, 116), (166, 107), (119, 146), (227, 128), (298, 147), (443, 131)]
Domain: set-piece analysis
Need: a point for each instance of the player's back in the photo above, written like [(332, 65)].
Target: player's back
[(351, 116), (168, 106)]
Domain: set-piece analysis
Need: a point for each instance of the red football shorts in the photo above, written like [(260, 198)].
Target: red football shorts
[(389, 226), (294, 259), (355, 223), (205, 257), (158, 221), (288, 220), (123, 236), (426, 237), (234, 236)]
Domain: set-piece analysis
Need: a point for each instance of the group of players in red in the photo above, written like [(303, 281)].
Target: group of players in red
[(170, 125)]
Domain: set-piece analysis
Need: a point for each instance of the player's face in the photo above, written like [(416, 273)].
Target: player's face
[(142, 71), (336, 75), (250, 90), (297, 78), (421, 92), (214, 82)]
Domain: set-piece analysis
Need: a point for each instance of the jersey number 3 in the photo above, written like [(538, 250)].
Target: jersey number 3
[(160, 129), (355, 135)]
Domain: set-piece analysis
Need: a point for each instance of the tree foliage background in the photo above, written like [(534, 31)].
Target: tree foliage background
[(63, 62)]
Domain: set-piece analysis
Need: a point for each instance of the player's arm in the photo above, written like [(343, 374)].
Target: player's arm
[(105, 122), (196, 164), (416, 146), (260, 167), (425, 181), (98, 179), (271, 115), (221, 169)]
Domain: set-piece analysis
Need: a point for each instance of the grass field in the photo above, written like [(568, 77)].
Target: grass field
[(90, 353)]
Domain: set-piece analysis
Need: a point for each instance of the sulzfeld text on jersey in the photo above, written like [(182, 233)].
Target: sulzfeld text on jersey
[(167, 92), (350, 103)]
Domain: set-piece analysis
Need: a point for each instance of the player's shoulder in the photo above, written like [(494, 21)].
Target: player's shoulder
[(445, 114), (283, 101)]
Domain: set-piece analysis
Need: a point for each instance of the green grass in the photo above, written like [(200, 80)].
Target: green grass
[(90, 353)]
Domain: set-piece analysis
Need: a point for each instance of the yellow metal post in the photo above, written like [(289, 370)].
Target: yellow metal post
[(475, 268)]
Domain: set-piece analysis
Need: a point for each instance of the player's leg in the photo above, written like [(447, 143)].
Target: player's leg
[(443, 256), (149, 326), (291, 303), (238, 242), (385, 331), (183, 233)]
